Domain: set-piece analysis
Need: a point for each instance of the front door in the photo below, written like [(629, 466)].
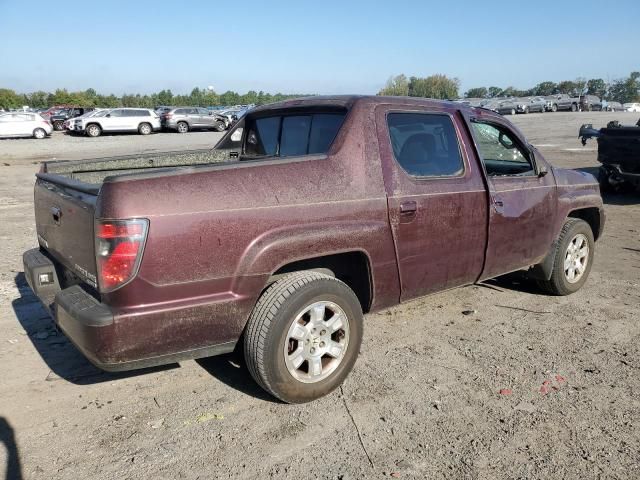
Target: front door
[(522, 199), (438, 206)]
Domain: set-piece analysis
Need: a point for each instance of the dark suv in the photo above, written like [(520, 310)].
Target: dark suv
[(589, 103), (183, 119)]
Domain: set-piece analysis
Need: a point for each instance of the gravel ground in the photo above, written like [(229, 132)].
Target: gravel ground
[(528, 386)]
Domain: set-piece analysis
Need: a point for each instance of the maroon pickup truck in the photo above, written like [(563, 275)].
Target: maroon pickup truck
[(307, 214)]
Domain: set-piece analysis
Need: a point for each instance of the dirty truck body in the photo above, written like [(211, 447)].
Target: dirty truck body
[(146, 260)]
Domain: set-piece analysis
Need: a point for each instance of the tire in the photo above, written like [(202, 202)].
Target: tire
[(554, 108), (93, 130), (513, 111), (39, 133), (576, 234), (574, 107), (220, 127), (183, 127), (282, 314), (58, 126), (145, 129)]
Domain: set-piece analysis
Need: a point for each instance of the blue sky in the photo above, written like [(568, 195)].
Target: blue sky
[(320, 46)]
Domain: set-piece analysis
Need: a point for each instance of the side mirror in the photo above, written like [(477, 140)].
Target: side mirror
[(542, 171)]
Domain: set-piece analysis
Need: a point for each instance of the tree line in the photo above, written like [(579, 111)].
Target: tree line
[(90, 98), (623, 90)]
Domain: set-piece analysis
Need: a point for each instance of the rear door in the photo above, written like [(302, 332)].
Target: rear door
[(522, 201), (436, 197)]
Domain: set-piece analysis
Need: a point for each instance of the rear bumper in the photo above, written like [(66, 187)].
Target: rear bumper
[(96, 330)]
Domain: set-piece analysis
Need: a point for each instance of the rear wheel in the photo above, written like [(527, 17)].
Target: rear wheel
[(183, 127), (94, 130), (573, 258), (39, 133), (303, 336), (145, 129)]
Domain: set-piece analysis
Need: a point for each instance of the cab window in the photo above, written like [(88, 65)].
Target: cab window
[(291, 135), (425, 144), (501, 152)]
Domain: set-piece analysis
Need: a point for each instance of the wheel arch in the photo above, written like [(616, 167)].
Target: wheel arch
[(592, 216), (351, 267)]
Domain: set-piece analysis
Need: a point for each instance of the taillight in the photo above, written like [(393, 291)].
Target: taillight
[(119, 245)]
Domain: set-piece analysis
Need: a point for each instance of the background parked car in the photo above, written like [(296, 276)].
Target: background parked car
[(504, 106), (588, 103), (632, 107), (58, 119), (614, 107), (530, 104), (142, 120), (562, 101), (183, 119), (24, 125), (70, 124)]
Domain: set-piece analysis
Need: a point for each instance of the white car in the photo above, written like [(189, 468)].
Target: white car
[(631, 107), (141, 120), (70, 124), (16, 124)]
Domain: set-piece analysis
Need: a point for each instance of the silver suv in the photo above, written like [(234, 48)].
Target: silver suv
[(183, 119)]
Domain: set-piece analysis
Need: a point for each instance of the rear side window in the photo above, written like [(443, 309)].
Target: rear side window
[(292, 135), (425, 144)]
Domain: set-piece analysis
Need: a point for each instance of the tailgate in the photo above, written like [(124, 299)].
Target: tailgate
[(64, 224)]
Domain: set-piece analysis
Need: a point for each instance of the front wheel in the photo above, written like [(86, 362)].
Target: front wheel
[(574, 107), (573, 258), (220, 127), (58, 126), (303, 336), (554, 108), (145, 129), (94, 130)]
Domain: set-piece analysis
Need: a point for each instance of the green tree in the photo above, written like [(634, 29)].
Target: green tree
[(597, 86), (493, 92), (569, 87), (165, 97), (478, 92), (397, 86), (9, 99), (435, 86), (545, 88), (626, 90)]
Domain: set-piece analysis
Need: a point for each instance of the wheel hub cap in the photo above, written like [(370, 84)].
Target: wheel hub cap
[(576, 258), (316, 342)]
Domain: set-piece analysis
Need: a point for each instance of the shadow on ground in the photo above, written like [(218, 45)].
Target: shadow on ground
[(8, 439), (62, 358), (231, 370)]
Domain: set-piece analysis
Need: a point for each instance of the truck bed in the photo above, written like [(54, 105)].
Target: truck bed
[(93, 172)]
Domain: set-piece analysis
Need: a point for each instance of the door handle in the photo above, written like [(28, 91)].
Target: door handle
[(498, 204), (408, 208)]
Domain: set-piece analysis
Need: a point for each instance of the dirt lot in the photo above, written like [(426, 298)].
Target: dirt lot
[(423, 401)]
